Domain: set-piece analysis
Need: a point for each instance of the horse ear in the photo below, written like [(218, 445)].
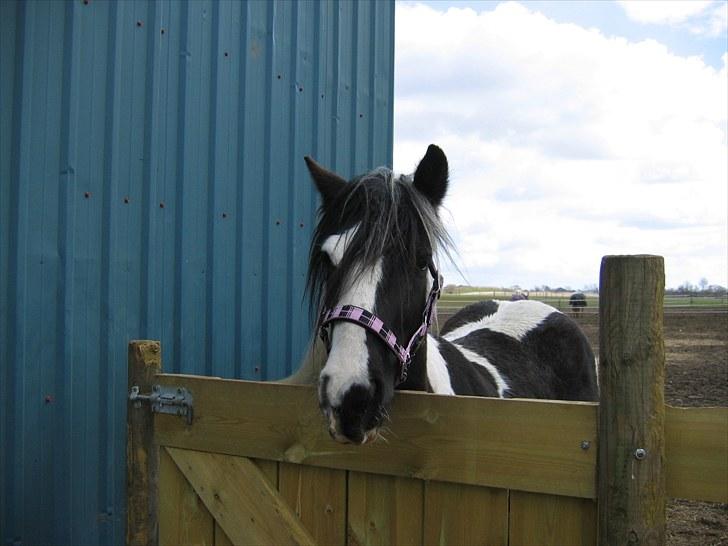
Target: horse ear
[(329, 184), (431, 176)]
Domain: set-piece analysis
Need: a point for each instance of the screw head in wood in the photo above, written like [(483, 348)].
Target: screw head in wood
[(640, 453)]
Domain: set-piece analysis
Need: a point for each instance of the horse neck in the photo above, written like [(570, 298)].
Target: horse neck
[(310, 368)]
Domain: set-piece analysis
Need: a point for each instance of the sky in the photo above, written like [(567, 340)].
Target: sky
[(573, 130)]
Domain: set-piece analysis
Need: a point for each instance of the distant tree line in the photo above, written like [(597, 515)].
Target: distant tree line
[(703, 287), (686, 288)]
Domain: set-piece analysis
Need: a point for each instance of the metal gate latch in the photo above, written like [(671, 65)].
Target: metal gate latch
[(171, 400)]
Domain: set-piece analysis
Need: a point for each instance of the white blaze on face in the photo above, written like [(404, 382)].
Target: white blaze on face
[(347, 363), (336, 245)]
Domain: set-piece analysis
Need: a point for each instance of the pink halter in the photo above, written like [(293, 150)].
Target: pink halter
[(371, 322)]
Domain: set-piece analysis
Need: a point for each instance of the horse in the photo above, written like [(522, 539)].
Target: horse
[(577, 301), (374, 282), (519, 295)]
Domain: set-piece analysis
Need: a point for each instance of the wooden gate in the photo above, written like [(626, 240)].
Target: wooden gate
[(256, 466)]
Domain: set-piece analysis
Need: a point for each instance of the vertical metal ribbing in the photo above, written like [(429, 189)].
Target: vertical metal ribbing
[(240, 209), (211, 188)]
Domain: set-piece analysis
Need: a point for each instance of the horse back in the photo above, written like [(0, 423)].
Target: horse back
[(541, 351)]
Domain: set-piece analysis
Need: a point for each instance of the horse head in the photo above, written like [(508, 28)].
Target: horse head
[(372, 278)]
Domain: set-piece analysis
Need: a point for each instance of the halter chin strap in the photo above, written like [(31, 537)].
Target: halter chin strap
[(371, 322)]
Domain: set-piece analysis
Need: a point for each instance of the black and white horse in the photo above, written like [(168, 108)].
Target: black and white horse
[(374, 281), (577, 301)]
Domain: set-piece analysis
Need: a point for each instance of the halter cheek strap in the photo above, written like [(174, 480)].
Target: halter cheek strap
[(371, 322)]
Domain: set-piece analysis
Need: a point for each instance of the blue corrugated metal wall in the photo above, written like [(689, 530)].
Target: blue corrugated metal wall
[(152, 186)]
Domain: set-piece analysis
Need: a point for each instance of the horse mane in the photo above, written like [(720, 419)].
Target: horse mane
[(392, 217)]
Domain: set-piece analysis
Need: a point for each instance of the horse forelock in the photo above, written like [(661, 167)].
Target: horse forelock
[(391, 217)]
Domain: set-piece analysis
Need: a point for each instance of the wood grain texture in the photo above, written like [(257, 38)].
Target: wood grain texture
[(183, 518), (457, 514), (632, 406), (240, 498), (318, 497), (384, 510), (549, 520), (221, 539), (142, 455), (269, 470), (519, 444), (696, 453)]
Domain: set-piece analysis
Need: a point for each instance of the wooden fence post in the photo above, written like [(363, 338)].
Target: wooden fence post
[(631, 479), (142, 455)]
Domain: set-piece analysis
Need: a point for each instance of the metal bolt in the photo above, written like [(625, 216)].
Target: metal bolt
[(585, 444), (640, 453)]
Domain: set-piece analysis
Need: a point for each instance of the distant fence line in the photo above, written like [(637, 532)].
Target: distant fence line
[(697, 303)]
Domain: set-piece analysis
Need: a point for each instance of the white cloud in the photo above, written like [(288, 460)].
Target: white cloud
[(700, 17), (564, 145)]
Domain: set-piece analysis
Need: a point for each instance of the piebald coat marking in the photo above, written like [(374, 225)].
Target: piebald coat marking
[(347, 363), (437, 373), (513, 318), (475, 358)]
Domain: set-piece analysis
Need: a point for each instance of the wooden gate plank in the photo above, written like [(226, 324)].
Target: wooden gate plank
[(270, 471), (384, 510), (532, 445), (696, 451), (550, 520), (221, 539), (183, 518), (458, 514), (318, 497), (230, 486)]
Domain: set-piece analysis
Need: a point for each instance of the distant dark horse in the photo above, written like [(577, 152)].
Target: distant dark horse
[(374, 281), (577, 301)]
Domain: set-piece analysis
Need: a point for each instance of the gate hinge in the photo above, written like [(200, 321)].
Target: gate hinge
[(162, 399)]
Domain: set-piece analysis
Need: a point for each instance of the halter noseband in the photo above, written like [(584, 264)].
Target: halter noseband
[(371, 322)]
